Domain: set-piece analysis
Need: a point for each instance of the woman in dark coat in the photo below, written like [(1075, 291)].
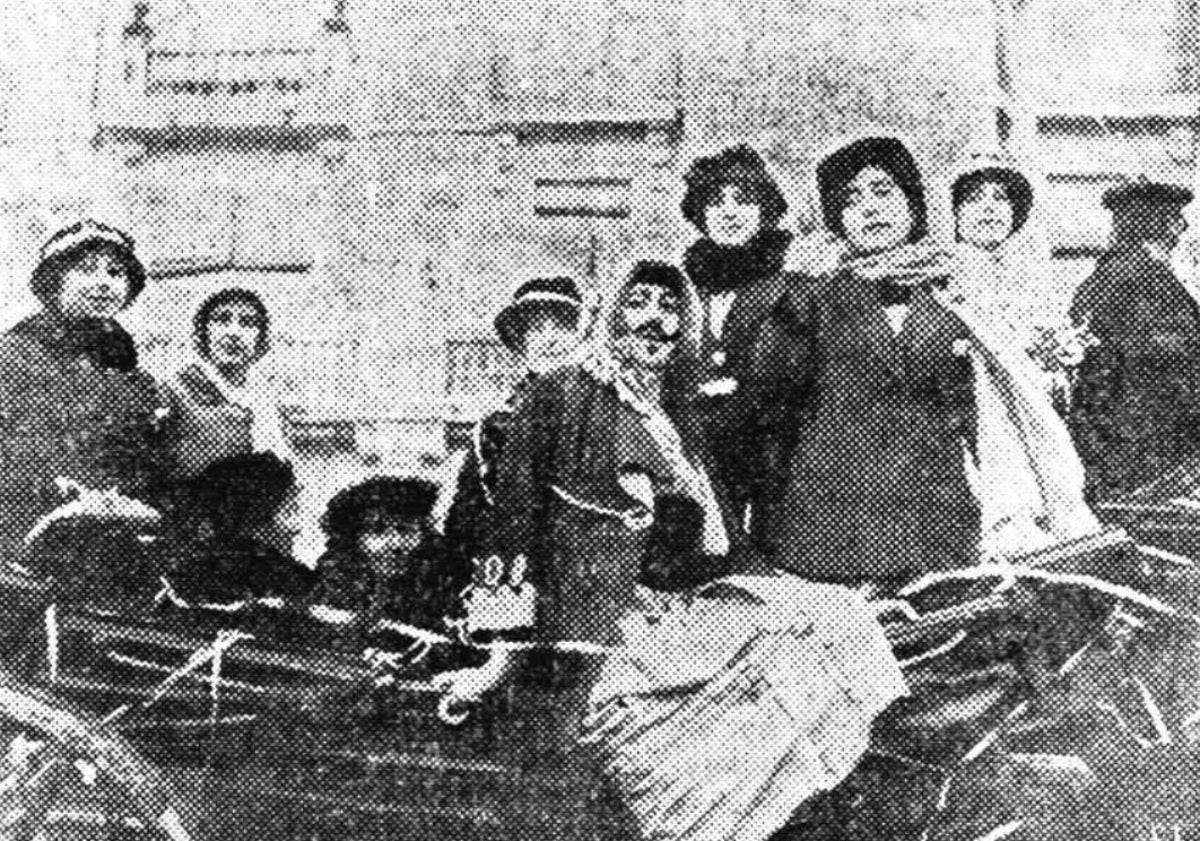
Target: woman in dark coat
[(539, 326), (864, 377), (73, 402), (1135, 411), (736, 265)]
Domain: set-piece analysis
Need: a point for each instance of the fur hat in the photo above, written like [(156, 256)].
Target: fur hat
[(62, 250), (836, 172), (556, 294), (242, 491), (740, 166), (402, 499), (982, 169)]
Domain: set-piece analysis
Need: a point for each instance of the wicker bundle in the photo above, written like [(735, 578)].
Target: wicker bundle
[(717, 719)]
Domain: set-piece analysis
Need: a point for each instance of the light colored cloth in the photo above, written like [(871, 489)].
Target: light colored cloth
[(721, 715), (259, 397), (1009, 287), (1027, 476)]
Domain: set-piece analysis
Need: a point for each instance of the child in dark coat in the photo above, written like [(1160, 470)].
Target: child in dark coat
[(384, 560), (241, 517)]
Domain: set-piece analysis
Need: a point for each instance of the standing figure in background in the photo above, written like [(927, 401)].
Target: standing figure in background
[(1136, 404), (736, 266), (74, 404), (225, 404), (991, 200), (541, 327)]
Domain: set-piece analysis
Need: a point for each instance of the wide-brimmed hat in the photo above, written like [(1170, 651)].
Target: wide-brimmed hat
[(889, 154), (558, 294), (1142, 192), (67, 245), (738, 165), (400, 498), (981, 168)]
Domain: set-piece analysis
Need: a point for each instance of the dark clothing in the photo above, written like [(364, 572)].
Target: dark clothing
[(871, 426), (205, 427), (571, 439), (468, 526), (750, 273), (753, 275), (222, 571), (424, 590), (73, 404), (1136, 405)]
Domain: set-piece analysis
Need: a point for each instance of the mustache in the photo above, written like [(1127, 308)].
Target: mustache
[(655, 331)]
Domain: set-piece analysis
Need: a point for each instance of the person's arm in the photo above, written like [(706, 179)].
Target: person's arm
[(521, 501)]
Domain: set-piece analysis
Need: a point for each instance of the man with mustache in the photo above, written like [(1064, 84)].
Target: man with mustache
[(589, 449)]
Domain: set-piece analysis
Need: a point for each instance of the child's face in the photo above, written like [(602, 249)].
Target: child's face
[(384, 540)]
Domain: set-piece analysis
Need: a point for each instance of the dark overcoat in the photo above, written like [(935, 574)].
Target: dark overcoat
[(468, 525), (568, 445), (1136, 404), (871, 429), (62, 415)]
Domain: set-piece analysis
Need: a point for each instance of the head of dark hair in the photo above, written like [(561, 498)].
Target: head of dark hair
[(738, 166), (1016, 186), (240, 493), (397, 499), (888, 154), (225, 297)]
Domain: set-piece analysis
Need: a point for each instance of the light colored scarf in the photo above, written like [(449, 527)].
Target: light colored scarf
[(1026, 474)]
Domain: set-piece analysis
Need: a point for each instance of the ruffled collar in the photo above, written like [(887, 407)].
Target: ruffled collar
[(721, 268)]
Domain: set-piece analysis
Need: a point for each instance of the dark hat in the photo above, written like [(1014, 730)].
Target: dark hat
[(558, 294), (843, 166), (1020, 191), (1142, 193), (66, 246), (740, 166), (654, 273), (405, 499), (242, 490)]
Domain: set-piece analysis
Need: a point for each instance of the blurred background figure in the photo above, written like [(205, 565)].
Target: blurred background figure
[(991, 200), (736, 266), (1136, 404)]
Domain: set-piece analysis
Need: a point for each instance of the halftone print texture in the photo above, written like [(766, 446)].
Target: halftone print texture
[(599, 419)]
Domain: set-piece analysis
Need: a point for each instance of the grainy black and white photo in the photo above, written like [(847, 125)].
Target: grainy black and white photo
[(600, 420)]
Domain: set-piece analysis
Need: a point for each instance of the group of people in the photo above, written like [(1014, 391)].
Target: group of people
[(858, 426)]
